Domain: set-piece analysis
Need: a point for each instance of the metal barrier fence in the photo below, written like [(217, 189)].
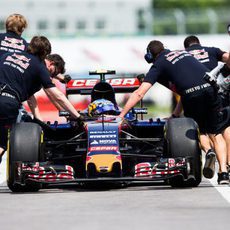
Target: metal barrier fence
[(192, 21)]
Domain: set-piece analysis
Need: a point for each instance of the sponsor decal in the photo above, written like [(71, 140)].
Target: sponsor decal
[(201, 55), (106, 141), (106, 119), (102, 136), (94, 142), (21, 57), (118, 82), (102, 132), (175, 56), (143, 169), (17, 61), (171, 162), (47, 172), (103, 148), (169, 166), (10, 44)]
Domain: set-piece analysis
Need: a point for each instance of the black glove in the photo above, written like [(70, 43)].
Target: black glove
[(82, 117), (66, 79), (225, 70), (77, 122), (43, 124)]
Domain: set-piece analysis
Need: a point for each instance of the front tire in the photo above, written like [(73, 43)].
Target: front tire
[(24, 146), (183, 141)]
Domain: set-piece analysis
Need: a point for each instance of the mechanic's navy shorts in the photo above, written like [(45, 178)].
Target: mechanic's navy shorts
[(225, 99), (8, 114), (204, 107)]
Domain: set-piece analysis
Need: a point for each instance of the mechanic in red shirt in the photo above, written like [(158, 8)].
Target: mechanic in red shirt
[(198, 96), (23, 74)]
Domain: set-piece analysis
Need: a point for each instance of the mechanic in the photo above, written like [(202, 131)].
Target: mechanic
[(208, 56), (56, 67), (198, 96), (11, 40), (22, 75)]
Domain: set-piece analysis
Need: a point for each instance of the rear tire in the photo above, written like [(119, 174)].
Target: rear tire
[(24, 146), (183, 141)]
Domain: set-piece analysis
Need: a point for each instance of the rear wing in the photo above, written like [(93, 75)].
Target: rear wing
[(120, 84)]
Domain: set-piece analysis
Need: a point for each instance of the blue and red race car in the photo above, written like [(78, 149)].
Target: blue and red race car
[(103, 148)]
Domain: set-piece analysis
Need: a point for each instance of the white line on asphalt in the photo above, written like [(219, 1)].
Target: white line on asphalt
[(224, 190), (3, 170)]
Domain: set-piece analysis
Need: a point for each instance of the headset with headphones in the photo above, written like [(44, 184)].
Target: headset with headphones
[(148, 56)]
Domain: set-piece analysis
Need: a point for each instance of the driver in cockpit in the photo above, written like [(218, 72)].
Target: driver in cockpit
[(103, 100)]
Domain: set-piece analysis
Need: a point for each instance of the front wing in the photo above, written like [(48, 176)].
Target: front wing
[(47, 174)]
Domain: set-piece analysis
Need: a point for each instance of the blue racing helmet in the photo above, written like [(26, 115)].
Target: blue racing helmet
[(103, 90), (101, 106)]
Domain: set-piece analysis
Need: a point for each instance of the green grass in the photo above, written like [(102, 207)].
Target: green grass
[(156, 111)]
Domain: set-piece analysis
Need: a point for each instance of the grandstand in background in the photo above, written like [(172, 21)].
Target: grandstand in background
[(74, 18), (66, 18)]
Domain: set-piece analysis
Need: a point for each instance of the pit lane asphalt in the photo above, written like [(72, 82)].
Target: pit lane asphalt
[(138, 207)]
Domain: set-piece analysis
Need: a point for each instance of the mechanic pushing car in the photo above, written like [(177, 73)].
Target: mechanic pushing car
[(12, 41), (209, 56), (56, 67), (22, 75), (198, 96)]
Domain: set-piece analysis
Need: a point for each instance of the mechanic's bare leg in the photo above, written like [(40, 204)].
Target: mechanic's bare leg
[(210, 157), (1, 153), (221, 151), (226, 135), (220, 147), (205, 142)]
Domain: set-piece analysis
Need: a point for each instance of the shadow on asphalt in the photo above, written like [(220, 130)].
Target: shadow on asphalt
[(137, 186)]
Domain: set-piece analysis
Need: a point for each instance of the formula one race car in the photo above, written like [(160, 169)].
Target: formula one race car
[(103, 148)]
